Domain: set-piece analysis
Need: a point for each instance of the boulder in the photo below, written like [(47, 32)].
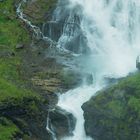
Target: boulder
[(89, 79), (20, 46), (63, 123), (114, 114)]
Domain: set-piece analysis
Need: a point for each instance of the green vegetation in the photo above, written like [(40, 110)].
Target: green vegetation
[(7, 129), (70, 79), (9, 91), (11, 34), (117, 110), (13, 93), (11, 30), (9, 68), (15, 99)]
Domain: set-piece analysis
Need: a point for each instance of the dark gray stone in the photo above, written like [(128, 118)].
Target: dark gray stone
[(138, 62), (20, 46), (63, 123)]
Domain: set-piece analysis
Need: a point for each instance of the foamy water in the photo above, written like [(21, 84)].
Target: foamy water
[(112, 30)]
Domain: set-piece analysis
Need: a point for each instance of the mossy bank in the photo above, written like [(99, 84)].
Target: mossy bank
[(114, 114), (23, 112)]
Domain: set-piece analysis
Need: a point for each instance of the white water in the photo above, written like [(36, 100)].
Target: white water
[(72, 101), (112, 29)]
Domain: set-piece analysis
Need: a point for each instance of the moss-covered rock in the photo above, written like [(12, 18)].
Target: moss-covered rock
[(7, 129), (63, 123), (25, 111), (39, 11), (114, 114)]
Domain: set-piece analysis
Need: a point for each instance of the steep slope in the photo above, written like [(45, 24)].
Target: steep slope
[(30, 75), (115, 112), (22, 111)]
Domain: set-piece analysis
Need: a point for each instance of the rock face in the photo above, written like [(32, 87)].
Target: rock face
[(29, 117), (114, 114), (63, 123), (70, 21), (138, 63), (39, 11), (20, 46), (46, 73)]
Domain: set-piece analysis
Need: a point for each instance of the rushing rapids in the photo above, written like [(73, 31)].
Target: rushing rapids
[(111, 30)]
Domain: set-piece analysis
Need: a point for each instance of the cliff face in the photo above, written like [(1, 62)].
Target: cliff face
[(115, 112), (29, 78), (39, 11)]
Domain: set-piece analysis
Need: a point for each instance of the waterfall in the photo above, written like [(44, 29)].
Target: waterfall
[(111, 30), (71, 34), (106, 34)]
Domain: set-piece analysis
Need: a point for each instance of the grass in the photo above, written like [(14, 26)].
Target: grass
[(7, 129), (9, 68), (11, 34), (11, 30), (9, 90), (12, 88)]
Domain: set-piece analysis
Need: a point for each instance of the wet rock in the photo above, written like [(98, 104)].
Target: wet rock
[(13, 54), (20, 46), (63, 123), (138, 62), (53, 30), (80, 42), (89, 79), (111, 80), (71, 79)]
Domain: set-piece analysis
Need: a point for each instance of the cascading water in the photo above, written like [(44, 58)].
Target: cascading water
[(71, 35), (112, 31), (109, 30)]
